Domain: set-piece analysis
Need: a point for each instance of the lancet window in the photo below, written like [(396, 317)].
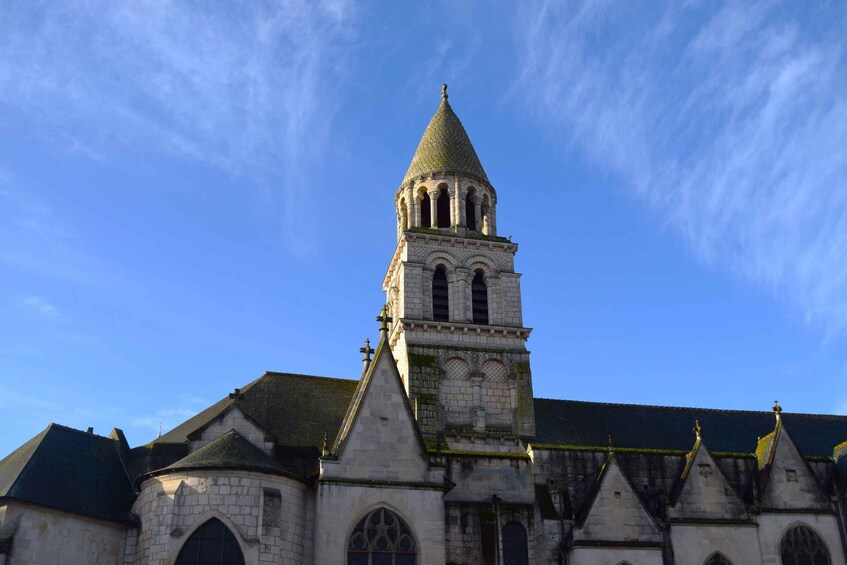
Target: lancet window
[(479, 298), (211, 544), (717, 558), (381, 538), (440, 295), (802, 546)]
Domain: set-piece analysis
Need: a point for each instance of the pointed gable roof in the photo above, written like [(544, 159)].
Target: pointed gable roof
[(703, 491), (445, 147), (383, 360), (70, 470)]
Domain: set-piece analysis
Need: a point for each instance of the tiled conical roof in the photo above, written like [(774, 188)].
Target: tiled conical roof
[(445, 147)]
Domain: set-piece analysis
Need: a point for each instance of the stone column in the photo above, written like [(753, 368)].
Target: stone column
[(478, 411), (463, 286), (411, 205), (433, 207), (477, 211), (454, 206)]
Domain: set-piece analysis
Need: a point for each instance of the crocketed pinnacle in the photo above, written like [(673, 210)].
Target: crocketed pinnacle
[(445, 147)]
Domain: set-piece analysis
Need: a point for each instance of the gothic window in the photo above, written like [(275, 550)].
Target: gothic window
[(802, 546), (443, 205), (426, 210), (211, 544), (514, 544), (381, 538), (479, 299), (470, 212), (717, 558), (440, 295)]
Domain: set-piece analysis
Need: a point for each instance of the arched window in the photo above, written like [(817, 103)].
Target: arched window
[(211, 544), (440, 295), (802, 546), (717, 558), (381, 538), (479, 298), (426, 218), (470, 212), (443, 206), (514, 544)]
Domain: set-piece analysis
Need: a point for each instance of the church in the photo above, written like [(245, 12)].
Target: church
[(439, 453)]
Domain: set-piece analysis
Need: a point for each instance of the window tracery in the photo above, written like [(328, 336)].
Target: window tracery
[(802, 546), (381, 538)]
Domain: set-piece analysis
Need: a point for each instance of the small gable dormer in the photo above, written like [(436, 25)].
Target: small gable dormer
[(702, 490), (785, 480), (613, 512)]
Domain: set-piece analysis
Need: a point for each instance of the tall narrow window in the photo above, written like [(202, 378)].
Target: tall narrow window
[(426, 218), (802, 546), (479, 298), (440, 295), (514, 544), (381, 538), (443, 205), (211, 544), (470, 212), (488, 537)]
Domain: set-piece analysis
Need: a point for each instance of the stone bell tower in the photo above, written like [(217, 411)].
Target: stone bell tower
[(457, 332)]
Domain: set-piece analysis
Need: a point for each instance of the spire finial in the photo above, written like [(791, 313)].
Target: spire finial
[(444, 91), (367, 351), (698, 431), (384, 319), (325, 446), (611, 443), (777, 410)]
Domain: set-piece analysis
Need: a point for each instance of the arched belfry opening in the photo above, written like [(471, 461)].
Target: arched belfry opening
[(440, 295), (470, 212), (211, 544), (443, 208), (479, 298), (425, 207), (382, 538)]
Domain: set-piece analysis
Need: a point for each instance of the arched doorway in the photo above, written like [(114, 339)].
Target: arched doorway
[(381, 538), (514, 544), (211, 544)]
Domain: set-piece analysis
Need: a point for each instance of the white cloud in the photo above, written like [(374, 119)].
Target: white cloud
[(730, 123), (40, 306), (247, 87)]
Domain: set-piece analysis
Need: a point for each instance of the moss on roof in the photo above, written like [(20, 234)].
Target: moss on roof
[(445, 147), (230, 451)]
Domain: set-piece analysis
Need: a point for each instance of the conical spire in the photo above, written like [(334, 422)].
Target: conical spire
[(445, 147)]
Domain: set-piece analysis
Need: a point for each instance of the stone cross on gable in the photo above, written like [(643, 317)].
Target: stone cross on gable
[(236, 395), (384, 319), (367, 350), (697, 429), (777, 409), (611, 443)]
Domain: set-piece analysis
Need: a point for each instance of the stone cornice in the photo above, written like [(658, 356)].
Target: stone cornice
[(407, 324)]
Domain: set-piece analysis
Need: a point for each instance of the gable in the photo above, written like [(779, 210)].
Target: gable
[(379, 439), (615, 512), (232, 418), (787, 482), (704, 492)]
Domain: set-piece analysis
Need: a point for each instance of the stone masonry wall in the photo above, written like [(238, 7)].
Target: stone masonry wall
[(47, 537), (267, 514)]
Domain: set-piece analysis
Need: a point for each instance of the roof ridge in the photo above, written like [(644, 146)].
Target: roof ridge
[(737, 410), (301, 375), (81, 432)]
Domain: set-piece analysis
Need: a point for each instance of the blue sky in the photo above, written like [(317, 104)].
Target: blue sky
[(193, 193)]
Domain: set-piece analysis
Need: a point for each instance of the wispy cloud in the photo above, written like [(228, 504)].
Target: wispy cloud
[(729, 121), (247, 87), (167, 419), (40, 306)]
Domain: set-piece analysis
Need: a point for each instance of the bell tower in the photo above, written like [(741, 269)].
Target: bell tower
[(457, 332)]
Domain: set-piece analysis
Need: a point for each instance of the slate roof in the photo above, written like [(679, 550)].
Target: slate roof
[(572, 422), (230, 451), (445, 147), (297, 410), (69, 470)]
